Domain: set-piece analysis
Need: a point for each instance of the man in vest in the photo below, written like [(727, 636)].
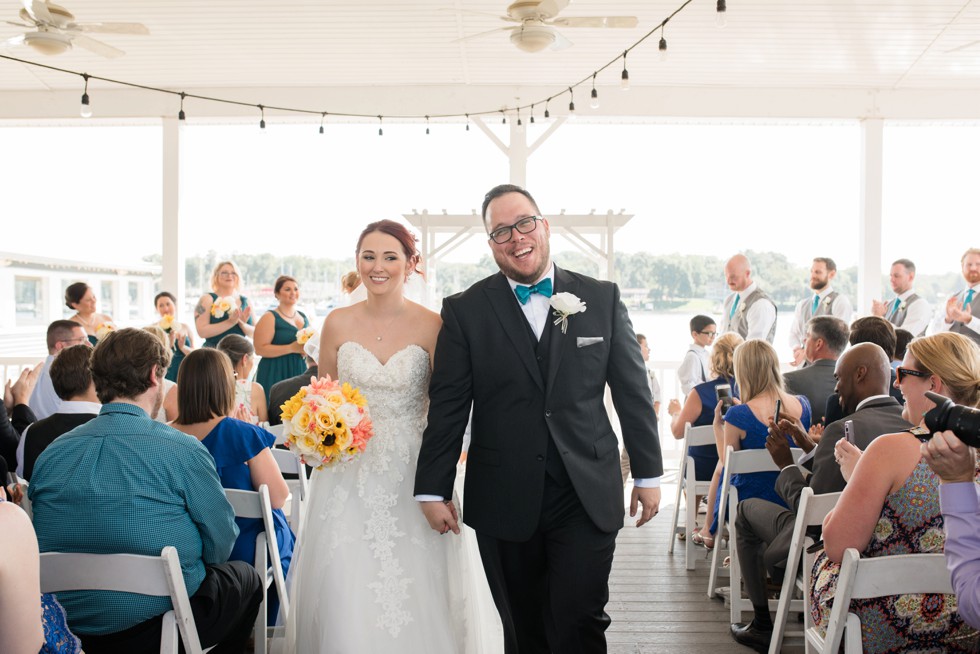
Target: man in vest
[(963, 309), (907, 310), (824, 301), (748, 310)]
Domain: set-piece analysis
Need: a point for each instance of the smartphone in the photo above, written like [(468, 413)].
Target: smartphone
[(849, 431), (775, 416), (724, 394)]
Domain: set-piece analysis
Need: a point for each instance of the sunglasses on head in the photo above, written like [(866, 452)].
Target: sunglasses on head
[(900, 373)]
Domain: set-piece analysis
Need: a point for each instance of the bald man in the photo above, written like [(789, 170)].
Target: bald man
[(748, 310), (765, 529)]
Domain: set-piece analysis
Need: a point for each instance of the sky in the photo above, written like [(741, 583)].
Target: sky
[(708, 188)]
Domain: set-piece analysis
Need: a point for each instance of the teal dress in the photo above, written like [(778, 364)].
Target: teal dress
[(177, 358), (275, 369), (234, 329), (94, 340)]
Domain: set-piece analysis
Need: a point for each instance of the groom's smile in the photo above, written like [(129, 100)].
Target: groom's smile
[(525, 257)]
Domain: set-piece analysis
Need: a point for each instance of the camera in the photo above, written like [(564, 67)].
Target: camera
[(724, 393), (963, 421)]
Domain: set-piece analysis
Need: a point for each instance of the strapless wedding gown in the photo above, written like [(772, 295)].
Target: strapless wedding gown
[(370, 575)]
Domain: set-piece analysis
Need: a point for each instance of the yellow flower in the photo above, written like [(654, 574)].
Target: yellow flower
[(353, 395), (221, 307), (167, 323), (325, 419), (304, 335), (344, 437), (104, 329)]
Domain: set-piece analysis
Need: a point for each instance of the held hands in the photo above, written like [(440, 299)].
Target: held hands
[(847, 456), (442, 516), (955, 313), (792, 428), (648, 497), (949, 457)]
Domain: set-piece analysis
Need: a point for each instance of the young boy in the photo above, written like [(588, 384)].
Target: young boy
[(695, 367)]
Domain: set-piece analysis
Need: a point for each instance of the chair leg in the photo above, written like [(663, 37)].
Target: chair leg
[(169, 636), (692, 518), (677, 509)]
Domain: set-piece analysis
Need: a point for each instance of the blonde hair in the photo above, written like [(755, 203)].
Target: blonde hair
[(722, 354), (757, 369), (218, 266), (161, 335), (955, 359), (968, 253)]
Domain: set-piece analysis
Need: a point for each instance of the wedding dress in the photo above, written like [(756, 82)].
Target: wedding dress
[(370, 574)]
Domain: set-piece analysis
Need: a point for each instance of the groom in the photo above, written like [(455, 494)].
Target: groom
[(543, 487)]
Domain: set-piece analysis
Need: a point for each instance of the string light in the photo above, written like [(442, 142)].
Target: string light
[(323, 117), (426, 125), (520, 125), (262, 121), (547, 114), (180, 114), (594, 103), (381, 131), (532, 114), (467, 122), (624, 82), (663, 44), (86, 109), (503, 121), (721, 15), (571, 103)]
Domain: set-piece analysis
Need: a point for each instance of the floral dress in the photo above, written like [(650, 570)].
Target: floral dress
[(910, 522)]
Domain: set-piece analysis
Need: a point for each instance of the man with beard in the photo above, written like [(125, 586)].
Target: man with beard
[(908, 310), (961, 315), (123, 483), (825, 301)]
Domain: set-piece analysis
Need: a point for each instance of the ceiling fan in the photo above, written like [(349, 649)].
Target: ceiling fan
[(52, 30), (536, 21)]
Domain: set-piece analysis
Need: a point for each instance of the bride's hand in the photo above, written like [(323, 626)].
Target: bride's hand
[(442, 516)]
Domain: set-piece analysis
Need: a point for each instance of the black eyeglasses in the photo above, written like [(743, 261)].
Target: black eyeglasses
[(901, 372), (711, 334), (525, 226)]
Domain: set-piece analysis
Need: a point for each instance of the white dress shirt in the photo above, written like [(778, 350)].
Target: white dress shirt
[(917, 315), (44, 401), (694, 369), (840, 308)]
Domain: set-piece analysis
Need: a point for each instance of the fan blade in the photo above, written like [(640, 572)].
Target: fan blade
[(38, 10), (12, 42), (963, 47), (550, 8), (596, 21), (560, 41), (98, 47), (10, 22), (476, 13), (476, 36), (108, 28)]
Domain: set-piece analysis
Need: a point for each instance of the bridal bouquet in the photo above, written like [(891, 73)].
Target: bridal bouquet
[(222, 306), (167, 323), (326, 423), (304, 335), (104, 329)]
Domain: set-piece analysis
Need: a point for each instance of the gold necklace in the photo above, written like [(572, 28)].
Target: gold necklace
[(388, 326)]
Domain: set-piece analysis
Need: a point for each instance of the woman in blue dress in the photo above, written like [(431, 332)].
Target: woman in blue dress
[(699, 410), (206, 401), (746, 425), (275, 338), (214, 323), (178, 333)]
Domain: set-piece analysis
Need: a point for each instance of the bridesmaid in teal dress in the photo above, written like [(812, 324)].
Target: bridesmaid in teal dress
[(275, 337), (225, 283), (80, 297), (178, 333)]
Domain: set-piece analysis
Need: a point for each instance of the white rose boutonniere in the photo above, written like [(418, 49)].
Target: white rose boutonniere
[(565, 305)]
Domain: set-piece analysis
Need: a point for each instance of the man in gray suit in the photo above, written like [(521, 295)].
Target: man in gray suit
[(962, 314), (765, 529), (826, 338)]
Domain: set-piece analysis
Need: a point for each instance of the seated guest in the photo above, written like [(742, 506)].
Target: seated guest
[(870, 329), (285, 389), (213, 323), (959, 500), (168, 412), (30, 622), (15, 414), (902, 340), (695, 365), (80, 297), (178, 334), (891, 506), (746, 425), (248, 394), (72, 381), (124, 483), (61, 334), (764, 529), (206, 392), (699, 410), (275, 337), (826, 338)]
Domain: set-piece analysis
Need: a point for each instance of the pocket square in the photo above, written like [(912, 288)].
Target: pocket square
[(585, 341)]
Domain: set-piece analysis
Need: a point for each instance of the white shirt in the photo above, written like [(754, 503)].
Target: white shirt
[(694, 369), (840, 308), (67, 406), (760, 316), (44, 401), (917, 315), (939, 324)]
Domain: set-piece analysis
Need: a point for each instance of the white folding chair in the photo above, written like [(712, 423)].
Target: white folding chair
[(881, 576), (693, 436), (289, 464), (741, 462), (811, 512), (279, 431), (256, 504), (129, 573)]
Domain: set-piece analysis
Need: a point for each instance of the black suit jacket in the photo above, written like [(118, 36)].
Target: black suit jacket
[(880, 416), (10, 430), (281, 391), (834, 411), (485, 358), (816, 381)]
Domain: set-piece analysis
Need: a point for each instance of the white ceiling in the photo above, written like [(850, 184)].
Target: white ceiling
[(840, 57)]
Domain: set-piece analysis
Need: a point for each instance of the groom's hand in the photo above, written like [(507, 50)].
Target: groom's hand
[(442, 516), (648, 497)]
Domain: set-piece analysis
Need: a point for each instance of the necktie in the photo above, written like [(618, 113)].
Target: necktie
[(734, 306), (524, 292), (968, 299), (895, 307), (816, 303)]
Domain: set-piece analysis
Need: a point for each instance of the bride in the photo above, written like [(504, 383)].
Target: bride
[(370, 575)]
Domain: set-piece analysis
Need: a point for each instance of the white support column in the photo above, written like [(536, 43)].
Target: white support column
[(173, 258), (869, 218)]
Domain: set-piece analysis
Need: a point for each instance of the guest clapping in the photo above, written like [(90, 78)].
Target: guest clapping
[(80, 297), (178, 334), (248, 394), (225, 310), (275, 337)]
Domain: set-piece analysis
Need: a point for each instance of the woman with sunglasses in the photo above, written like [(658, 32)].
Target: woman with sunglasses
[(214, 323), (891, 506)]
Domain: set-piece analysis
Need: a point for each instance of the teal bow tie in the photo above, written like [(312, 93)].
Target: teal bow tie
[(524, 292)]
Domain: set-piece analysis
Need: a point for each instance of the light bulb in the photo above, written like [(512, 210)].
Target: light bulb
[(624, 82), (594, 103), (262, 124), (663, 49), (547, 114), (571, 108), (86, 108), (721, 15), (321, 129), (180, 116)]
